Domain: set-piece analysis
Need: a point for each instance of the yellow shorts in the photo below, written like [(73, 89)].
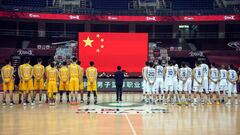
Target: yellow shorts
[(8, 85), (27, 85), (74, 84), (52, 87), (63, 86), (81, 86), (92, 86), (38, 85)]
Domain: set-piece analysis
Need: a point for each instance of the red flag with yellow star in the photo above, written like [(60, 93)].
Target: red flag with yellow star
[(108, 50)]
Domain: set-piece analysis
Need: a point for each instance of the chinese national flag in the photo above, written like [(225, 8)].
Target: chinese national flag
[(108, 50)]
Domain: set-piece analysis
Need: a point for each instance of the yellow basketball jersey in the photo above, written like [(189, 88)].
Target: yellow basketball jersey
[(81, 73), (52, 74), (91, 74), (26, 71), (47, 68), (64, 73), (7, 73), (74, 70), (38, 71)]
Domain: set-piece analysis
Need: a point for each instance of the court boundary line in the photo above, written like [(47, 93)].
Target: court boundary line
[(130, 124)]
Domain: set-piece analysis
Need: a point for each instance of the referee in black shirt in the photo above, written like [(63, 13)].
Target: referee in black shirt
[(119, 77)]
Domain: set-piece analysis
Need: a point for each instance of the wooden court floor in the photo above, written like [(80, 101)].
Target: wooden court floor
[(62, 119)]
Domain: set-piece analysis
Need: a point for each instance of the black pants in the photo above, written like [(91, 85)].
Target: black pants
[(119, 92)]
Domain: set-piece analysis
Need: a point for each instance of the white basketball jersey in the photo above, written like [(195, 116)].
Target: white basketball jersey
[(145, 71), (159, 70), (214, 74), (175, 71), (169, 72), (151, 74), (223, 74), (232, 74), (184, 73), (205, 69), (198, 73), (189, 71)]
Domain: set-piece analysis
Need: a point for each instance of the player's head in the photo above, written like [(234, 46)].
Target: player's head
[(119, 67), (169, 63), (79, 62), (151, 64), (27, 60), (39, 60), (74, 60), (231, 66), (91, 63), (7, 61), (146, 63), (159, 62), (213, 65), (64, 63), (52, 65), (197, 63), (183, 64), (222, 66), (173, 62), (50, 61)]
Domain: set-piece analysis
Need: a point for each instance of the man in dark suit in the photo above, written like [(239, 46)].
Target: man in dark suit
[(119, 77)]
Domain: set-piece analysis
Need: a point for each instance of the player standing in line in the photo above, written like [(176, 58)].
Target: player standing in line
[(144, 83), (232, 84), (168, 74), (27, 81), (205, 84), (20, 90), (159, 81), (183, 76), (213, 83), (92, 74), (223, 81), (175, 83), (197, 82), (8, 82), (74, 76), (38, 73), (81, 83), (189, 83), (151, 91), (64, 81), (52, 77), (46, 71)]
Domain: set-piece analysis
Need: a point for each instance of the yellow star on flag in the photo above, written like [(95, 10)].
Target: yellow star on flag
[(88, 42)]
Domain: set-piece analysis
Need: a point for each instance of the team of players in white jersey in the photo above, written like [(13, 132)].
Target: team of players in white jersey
[(173, 84)]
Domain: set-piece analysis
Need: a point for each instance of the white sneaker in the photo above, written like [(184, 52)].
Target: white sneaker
[(3, 104), (24, 104), (236, 102), (228, 103), (11, 104)]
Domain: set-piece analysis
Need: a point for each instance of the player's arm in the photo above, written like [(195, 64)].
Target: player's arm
[(43, 71), (2, 74), (209, 75), (218, 80), (236, 78), (57, 74), (202, 77), (179, 75), (31, 74), (144, 77), (96, 74), (20, 72)]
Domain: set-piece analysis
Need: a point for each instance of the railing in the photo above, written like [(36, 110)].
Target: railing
[(155, 35), (161, 12)]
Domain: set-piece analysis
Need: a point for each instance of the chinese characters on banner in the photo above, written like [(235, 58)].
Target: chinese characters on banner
[(105, 84)]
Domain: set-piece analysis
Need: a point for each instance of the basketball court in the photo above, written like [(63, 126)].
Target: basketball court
[(131, 117)]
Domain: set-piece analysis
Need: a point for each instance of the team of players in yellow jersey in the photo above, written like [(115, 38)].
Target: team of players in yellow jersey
[(69, 78)]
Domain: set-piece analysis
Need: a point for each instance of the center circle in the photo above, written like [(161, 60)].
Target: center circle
[(120, 104)]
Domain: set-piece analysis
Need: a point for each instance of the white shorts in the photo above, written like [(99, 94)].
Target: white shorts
[(185, 87), (197, 87), (144, 86), (223, 86), (175, 84), (168, 84), (159, 85), (232, 88), (205, 84), (213, 87), (151, 89)]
